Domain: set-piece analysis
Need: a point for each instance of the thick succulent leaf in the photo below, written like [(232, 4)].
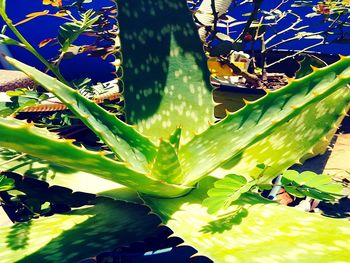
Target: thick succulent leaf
[(81, 233), (303, 137), (54, 174), (311, 184), (277, 129), (175, 138), (254, 230), (165, 73), (122, 139), (24, 137), (167, 166)]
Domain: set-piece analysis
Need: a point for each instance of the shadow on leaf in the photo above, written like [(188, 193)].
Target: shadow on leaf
[(92, 225), (226, 222)]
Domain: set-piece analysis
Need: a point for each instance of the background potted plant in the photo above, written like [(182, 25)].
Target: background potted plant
[(275, 36)]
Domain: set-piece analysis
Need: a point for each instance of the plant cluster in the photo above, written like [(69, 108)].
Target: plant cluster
[(173, 156), (82, 32)]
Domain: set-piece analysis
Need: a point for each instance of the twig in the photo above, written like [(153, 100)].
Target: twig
[(297, 53), (257, 5), (13, 159), (30, 48)]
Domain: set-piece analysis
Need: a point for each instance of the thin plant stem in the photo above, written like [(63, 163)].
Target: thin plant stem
[(13, 159), (31, 49)]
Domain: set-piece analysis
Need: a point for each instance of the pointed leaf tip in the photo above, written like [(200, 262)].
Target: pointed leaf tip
[(314, 69), (290, 80), (247, 102)]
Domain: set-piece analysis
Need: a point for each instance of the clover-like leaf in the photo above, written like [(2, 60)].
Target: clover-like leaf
[(310, 184), (226, 191)]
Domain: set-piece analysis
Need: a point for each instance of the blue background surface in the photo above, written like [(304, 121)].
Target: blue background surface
[(42, 28), (45, 27)]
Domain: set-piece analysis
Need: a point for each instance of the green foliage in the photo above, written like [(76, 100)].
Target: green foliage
[(168, 86), (230, 189), (124, 141), (69, 32), (165, 89), (310, 184), (226, 191), (2, 5), (175, 138), (249, 132), (200, 156), (6, 183), (19, 100), (64, 152), (253, 229), (5, 40), (167, 166)]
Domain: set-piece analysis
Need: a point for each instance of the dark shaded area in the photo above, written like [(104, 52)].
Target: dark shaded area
[(110, 224), (337, 210), (37, 198), (127, 228), (345, 127), (160, 247)]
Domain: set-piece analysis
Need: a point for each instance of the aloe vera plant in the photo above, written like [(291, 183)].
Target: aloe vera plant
[(171, 152)]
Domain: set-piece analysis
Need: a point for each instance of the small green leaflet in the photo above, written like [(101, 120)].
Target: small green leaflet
[(69, 32), (6, 183), (20, 99), (310, 184), (226, 191), (5, 40)]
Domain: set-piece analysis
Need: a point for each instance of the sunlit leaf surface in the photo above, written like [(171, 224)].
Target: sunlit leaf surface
[(254, 230), (165, 74)]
